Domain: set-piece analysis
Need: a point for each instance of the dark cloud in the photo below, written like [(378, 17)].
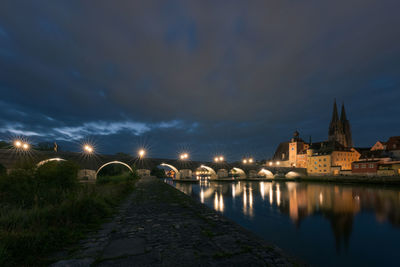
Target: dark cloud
[(237, 76)]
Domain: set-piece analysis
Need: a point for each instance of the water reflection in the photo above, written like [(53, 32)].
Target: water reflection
[(255, 204)]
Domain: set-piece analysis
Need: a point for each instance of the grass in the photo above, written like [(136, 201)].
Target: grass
[(45, 210)]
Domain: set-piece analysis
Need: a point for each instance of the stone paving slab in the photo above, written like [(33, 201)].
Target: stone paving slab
[(160, 226)]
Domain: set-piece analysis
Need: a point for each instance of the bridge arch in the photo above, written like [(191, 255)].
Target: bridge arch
[(292, 174), (266, 173), (113, 162), (213, 174), (239, 171), (48, 160), (177, 173)]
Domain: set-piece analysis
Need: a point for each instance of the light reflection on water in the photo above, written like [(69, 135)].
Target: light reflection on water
[(323, 224)]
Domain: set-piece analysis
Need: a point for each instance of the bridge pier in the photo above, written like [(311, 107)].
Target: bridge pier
[(143, 172), (87, 173), (222, 173), (186, 174)]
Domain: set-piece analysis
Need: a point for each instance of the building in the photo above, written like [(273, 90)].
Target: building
[(339, 129), (298, 151), (380, 145), (389, 168), (363, 167), (330, 158), (292, 153)]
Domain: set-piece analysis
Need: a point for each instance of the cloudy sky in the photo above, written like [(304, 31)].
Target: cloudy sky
[(209, 76)]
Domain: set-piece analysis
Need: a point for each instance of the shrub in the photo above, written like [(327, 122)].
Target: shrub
[(61, 174), (157, 172), (18, 187), (3, 170)]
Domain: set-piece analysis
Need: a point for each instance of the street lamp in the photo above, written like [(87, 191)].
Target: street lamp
[(219, 159), (141, 153), (247, 160), (25, 146), (277, 163), (18, 144), (88, 149), (184, 156)]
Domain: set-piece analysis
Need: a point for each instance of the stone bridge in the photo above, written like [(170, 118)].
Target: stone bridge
[(90, 165)]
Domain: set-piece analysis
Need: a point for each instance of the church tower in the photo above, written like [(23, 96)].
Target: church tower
[(336, 129), (346, 128)]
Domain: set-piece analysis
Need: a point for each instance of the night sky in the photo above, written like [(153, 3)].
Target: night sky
[(209, 76)]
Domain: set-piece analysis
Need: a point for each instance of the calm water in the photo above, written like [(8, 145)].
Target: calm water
[(322, 224)]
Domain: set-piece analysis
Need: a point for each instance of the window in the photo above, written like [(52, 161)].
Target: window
[(371, 165), (356, 166), (324, 165), (363, 166), (324, 159)]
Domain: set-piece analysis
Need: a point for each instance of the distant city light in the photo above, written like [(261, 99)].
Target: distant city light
[(221, 158), (270, 163), (277, 163), (141, 153), (244, 161)]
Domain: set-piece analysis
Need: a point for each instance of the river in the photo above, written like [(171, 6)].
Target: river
[(323, 224)]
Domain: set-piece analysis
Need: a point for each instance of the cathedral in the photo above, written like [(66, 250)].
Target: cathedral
[(339, 129), (321, 158)]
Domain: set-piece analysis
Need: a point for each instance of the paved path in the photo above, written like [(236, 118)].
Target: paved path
[(160, 226)]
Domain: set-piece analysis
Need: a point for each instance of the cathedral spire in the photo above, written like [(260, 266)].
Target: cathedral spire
[(343, 117), (335, 116)]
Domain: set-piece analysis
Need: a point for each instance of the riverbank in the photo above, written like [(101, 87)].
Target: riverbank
[(390, 180), (43, 210), (373, 180), (161, 226)]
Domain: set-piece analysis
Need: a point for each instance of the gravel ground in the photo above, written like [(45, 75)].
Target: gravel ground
[(160, 226)]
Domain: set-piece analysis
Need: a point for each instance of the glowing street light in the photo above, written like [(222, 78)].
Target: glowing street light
[(141, 153), (270, 163), (277, 163), (88, 149), (25, 146), (219, 159), (248, 160), (21, 145), (184, 156), (17, 143)]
